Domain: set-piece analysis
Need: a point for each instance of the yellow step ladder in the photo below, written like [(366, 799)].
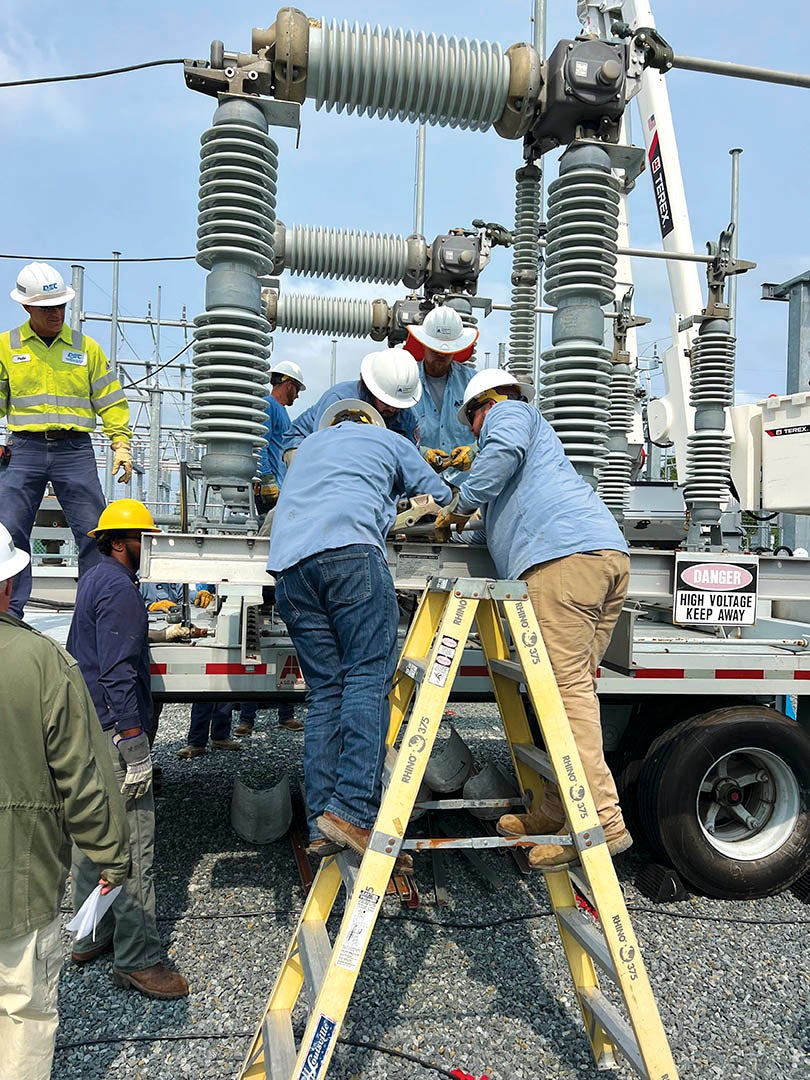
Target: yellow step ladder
[(515, 653)]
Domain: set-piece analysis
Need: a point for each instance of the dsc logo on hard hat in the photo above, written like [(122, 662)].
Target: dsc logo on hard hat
[(51, 287)]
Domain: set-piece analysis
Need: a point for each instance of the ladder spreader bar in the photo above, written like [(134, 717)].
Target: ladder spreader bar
[(616, 1026)]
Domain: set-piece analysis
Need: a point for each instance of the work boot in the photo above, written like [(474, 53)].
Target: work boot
[(226, 744), (544, 856), (535, 823), (293, 724), (244, 727), (156, 981), (322, 847), (81, 958), (191, 752), (353, 836)]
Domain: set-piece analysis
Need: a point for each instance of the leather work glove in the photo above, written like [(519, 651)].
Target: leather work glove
[(122, 459), (462, 458), (134, 749), (447, 518), (163, 605), (269, 488), (288, 456), (203, 598), (174, 632), (437, 459)]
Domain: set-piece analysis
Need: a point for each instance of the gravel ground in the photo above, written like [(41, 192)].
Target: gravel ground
[(732, 980)]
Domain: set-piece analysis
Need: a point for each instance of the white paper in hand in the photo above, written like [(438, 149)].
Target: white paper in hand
[(90, 914)]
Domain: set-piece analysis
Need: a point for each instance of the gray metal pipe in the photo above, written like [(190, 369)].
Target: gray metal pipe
[(735, 236), (739, 71)]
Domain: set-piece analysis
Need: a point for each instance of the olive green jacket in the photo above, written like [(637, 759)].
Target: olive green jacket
[(56, 780)]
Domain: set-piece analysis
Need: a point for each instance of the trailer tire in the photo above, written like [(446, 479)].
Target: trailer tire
[(725, 798)]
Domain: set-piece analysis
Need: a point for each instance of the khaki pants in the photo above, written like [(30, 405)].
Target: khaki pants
[(29, 980), (577, 600)]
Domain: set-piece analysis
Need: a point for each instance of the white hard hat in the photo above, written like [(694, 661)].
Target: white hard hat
[(443, 331), (490, 379), (350, 409), (12, 561), (393, 377), (290, 371), (39, 285)]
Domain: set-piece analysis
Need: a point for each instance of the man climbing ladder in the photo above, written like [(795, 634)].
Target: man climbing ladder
[(515, 654)]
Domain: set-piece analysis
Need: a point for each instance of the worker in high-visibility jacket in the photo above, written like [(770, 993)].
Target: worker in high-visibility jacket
[(54, 383)]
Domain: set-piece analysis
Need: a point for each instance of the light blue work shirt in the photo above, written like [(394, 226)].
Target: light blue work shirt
[(404, 422), (342, 489), (441, 429), (278, 421), (536, 506), (153, 591)]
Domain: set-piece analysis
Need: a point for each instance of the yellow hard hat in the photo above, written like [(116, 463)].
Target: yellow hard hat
[(125, 514)]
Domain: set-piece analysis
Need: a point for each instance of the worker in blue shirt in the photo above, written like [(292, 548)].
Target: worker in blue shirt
[(544, 524), (287, 383), (441, 343), (109, 639), (389, 380), (335, 593)]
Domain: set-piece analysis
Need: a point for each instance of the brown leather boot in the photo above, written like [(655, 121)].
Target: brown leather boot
[(545, 856), (352, 836), (81, 958), (535, 823), (156, 981)]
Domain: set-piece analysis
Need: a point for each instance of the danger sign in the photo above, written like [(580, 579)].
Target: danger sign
[(715, 590)]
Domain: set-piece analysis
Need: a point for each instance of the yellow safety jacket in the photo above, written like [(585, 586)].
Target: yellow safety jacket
[(62, 385)]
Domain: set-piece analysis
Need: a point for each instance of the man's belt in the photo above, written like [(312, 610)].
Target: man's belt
[(49, 434)]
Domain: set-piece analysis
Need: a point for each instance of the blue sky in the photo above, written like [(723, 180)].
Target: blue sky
[(113, 163)]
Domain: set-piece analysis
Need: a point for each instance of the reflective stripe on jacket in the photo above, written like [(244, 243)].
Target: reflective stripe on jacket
[(62, 385), (56, 781)]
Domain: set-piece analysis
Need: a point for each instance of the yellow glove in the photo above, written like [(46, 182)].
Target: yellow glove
[(122, 459), (448, 517), (203, 598), (162, 605), (269, 488), (178, 632), (437, 459), (462, 458)]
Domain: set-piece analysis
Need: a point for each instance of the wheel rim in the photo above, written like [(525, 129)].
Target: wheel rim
[(748, 804)]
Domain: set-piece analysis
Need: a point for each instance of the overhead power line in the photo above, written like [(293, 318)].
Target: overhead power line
[(90, 74), (76, 259)]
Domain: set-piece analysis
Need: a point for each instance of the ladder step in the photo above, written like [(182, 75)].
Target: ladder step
[(315, 951), (539, 760), (589, 938), (414, 667), (349, 866), (279, 1045), (508, 668), (620, 1032)]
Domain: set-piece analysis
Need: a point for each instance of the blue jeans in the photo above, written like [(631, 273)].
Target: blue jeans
[(248, 710), (213, 716), (341, 611), (70, 465)]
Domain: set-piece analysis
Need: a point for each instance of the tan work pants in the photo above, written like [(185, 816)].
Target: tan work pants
[(29, 981), (577, 600)]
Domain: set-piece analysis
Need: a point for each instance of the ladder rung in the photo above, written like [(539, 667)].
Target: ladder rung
[(279, 1045), (349, 866), (591, 940), (539, 760), (508, 668), (315, 951), (413, 667), (620, 1032)]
